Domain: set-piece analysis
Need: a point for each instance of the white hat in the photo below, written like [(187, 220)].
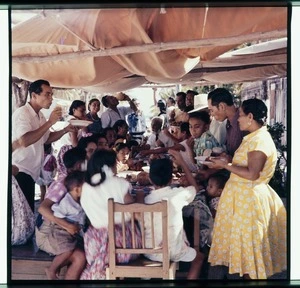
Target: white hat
[(200, 102)]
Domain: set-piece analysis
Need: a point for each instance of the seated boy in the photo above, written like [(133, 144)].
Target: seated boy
[(177, 197)]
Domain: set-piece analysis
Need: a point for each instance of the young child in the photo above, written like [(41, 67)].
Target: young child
[(158, 138), (178, 197), (199, 127), (215, 185), (182, 146), (73, 160), (69, 208), (123, 152), (48, 171), (102, 184)]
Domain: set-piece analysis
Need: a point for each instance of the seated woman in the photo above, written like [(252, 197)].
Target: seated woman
[(22, 217), (102, 184)]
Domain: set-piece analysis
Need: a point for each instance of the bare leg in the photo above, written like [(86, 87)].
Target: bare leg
[(77, 262), (57, 263), (196, 266)]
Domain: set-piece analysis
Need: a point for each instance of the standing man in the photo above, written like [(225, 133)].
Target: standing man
[(137, 123), (114, 113), (221, 107), (30, 131)]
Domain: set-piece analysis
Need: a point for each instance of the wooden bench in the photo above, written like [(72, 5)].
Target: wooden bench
[(29, 263)]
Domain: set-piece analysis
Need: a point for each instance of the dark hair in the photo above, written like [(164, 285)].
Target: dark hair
[(48, 148), (104, 101), (92, 101), (257, 108), (185, 127), (172, 100), (119, 123), (162, 106), (75, 104), (220, 179), (192, 92), (36, 86), (97, 161), (220, 95), (74, 179), (202, 115), (161, 171), (182, 94), (73, 156), (84, 141), (120, 146)]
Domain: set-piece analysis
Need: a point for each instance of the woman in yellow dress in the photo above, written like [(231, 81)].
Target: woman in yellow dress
[(249, 234)]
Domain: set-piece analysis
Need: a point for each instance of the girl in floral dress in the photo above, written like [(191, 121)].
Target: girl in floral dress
[(102, 184), (249, 235)]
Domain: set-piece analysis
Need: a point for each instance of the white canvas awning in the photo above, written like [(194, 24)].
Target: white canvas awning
[(111, 50)]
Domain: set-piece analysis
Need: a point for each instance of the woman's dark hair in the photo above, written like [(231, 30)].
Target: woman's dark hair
[(72, 156), (161, 171), (92, 101), (36, 86), (202, 115), (220, 95), (257, 108), (84, 141), (75, 104), (74, 179), (97, 161)]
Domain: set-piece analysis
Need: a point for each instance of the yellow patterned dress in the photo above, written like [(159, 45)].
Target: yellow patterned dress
[(250, 232)]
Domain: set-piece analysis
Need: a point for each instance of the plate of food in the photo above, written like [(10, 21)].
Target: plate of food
[(81, 123)]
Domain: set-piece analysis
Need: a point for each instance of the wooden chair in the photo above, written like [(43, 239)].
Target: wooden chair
[(142, 267)]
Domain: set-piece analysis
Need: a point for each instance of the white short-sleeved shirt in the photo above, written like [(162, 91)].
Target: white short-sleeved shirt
[(94, 199), (109, 117), (70, 209), (28, 159), (177, 197)]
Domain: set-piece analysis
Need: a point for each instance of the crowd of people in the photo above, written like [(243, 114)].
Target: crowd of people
[(222, 154)]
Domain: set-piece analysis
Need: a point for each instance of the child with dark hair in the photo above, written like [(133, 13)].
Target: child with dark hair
[(161, 176), (73, 160), (102, 184), (182, 146), (215, 184), (60, 242), (123, 152), (111, 136), (201, 139)]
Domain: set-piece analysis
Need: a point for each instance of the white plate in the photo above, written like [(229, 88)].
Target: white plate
[(81, 123)]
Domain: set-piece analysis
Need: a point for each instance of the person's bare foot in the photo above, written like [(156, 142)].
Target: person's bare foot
[(51, 275)]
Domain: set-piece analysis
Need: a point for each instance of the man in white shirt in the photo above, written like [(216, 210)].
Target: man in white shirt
[(30, 131), (114, 113)]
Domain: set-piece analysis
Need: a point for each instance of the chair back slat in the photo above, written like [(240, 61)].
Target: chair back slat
[(139, 212)]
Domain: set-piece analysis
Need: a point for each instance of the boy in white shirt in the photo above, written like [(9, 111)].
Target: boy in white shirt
[(178, 197)]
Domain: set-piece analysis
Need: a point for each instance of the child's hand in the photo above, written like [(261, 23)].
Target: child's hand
[(73, 228), (176, 156)]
